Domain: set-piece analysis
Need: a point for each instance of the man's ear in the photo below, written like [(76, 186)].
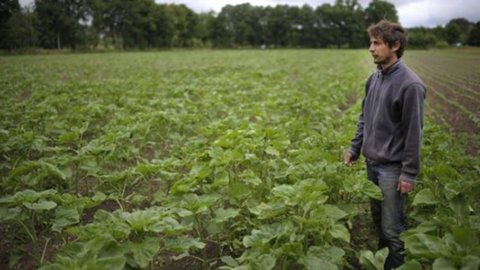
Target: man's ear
[(396, 46)]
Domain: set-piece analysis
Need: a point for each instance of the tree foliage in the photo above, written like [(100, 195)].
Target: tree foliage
[(62, 23), (144, 24), (474, 35), (8, 9), (378, 10)]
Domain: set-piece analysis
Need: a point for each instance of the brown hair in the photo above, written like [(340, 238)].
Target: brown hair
[(390, 33)]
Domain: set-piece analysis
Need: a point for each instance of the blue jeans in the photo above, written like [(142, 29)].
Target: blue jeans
[(388, 214)]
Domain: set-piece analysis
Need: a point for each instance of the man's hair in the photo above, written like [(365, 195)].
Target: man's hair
[(390, 33)]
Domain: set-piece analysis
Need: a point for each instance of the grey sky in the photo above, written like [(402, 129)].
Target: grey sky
[(428, 13)]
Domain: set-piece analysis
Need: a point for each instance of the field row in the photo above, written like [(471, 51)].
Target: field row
[(452, 79)]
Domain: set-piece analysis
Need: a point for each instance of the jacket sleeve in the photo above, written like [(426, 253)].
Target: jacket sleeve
[(412, 124), (356, 142)]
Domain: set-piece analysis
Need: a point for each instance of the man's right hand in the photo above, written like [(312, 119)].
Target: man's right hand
[(349, 159)]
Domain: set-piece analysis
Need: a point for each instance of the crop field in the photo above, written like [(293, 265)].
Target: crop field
[(219, 160), (453, 79)]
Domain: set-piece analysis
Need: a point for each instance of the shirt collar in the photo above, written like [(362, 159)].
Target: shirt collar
[(389, 70)]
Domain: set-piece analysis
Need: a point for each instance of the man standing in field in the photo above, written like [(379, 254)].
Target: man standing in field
[(389, 134)]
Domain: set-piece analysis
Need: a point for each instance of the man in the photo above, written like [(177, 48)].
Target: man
[(389, 134)]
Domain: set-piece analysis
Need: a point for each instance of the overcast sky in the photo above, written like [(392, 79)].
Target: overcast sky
[(428, 13)]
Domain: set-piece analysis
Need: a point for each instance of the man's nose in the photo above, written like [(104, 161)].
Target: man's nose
[(370, 49)]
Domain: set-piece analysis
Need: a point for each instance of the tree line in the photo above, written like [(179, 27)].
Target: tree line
[(144, 24)]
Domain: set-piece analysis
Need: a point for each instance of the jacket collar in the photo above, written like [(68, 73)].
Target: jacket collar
[(389, 70)]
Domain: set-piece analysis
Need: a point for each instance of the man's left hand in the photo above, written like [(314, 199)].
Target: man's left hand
[(405, 187)]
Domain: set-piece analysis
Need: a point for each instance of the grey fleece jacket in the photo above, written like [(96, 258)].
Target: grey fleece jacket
[(390, 125)]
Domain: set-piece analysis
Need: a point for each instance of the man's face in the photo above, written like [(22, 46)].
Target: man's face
[(382, 54)]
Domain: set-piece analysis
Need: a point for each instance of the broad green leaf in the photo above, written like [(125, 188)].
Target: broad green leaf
[(9, 213), (198, 204), (110, 254), (475, 222), (222, 215), (40, 205), (90, 166), (148, 168), (229, 261), (411, 265), (101, 253), (265, 211), (286, 193), (470, 262), (272, 151), (443, 264), (27, 196), (259, 238), (424, 196), (145, 251), (99, 197), (328, 258), (313, 263), (238, 190), (334, 213), (110, 263), (221, 179), (265, 262), (424, 245), (182, 212), (53, 170), (68, 137), (167, 225), (139, 220), (371, 190), (200, 171), (182, 244), (250, 177), (65, 217), (373, 262), (339, 231)]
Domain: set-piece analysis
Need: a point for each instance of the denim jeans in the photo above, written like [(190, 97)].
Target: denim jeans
[(388, 214)]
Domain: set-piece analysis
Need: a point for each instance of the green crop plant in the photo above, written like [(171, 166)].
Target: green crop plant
[(215, 159)]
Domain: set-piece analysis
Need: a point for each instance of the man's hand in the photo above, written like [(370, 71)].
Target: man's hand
[(348, 159), (404, 186)]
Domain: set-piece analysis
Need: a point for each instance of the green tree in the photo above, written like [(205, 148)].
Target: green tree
[(20, 30), (322, 26), (307, 21), (345, 24), (165, 28), (125, 23), (278, 25), (7, 9), (378, 10), (457, 30), (474, 35), (220, 30), (452, 33), (421, 37), (241, 25), (61, 23), (205, 21), (184, 22)]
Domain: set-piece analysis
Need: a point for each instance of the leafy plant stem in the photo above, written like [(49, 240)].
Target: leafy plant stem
[(119, 203), (205, 259), (44, 250), (199, 230), (33, 236)]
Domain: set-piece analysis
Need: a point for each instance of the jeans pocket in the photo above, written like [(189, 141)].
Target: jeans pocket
[(389, 172)]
